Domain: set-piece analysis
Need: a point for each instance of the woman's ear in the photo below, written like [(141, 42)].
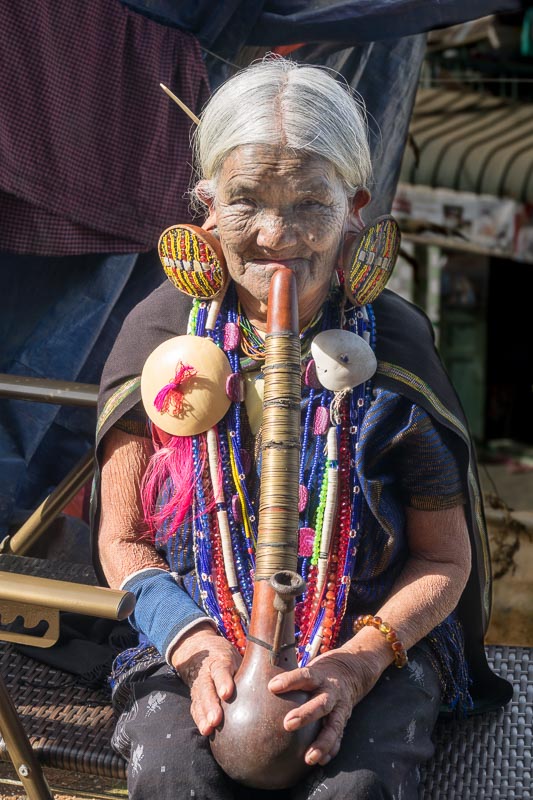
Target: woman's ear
[(354, 223), (204, 193), (360, 199)]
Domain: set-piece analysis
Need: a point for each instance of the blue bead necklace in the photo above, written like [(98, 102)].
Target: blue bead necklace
[(241, 491)]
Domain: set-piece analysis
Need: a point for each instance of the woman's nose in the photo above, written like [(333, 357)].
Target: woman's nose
[(275, 232)]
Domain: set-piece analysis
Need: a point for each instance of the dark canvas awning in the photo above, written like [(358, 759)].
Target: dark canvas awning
[(471, 142)]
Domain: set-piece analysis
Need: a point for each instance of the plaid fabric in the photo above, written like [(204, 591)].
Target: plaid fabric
[(93, 156), (28, 229)]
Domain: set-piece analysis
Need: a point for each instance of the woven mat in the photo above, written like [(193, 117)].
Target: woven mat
[(57, 570), (489, 756), (69, 725)]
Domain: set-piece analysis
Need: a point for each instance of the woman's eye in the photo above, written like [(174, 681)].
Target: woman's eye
[(243, 201), (311, 203)]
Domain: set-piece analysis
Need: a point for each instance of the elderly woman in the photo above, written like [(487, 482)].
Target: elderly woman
[(284, 163)]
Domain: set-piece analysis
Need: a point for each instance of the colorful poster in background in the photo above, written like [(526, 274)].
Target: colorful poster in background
[(464, 220)]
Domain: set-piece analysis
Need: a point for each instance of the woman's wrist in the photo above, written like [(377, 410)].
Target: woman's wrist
[(372, 649), (163, 608), (399, 652), (187, 637)]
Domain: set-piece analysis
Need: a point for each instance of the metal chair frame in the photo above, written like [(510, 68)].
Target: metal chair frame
[(41, 599)]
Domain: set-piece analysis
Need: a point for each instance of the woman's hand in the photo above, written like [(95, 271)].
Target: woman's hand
[(427, 590), (206, 662), (336, 681)]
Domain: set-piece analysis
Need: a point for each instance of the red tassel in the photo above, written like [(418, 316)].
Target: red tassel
[(169, 400)]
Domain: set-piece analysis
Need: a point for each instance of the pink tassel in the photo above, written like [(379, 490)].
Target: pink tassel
[(311, 378), (235, 388), (303, 495), (232, 336), (321, 421), (169, 399), (306, 540), (173, 463)]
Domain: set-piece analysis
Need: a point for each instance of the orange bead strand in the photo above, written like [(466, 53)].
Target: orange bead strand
[(400, 653)]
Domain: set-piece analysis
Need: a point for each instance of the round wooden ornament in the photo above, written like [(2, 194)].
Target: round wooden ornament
[(183, 385)]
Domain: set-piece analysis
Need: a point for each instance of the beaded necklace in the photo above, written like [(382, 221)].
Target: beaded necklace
[(330, 501), (253, 345)]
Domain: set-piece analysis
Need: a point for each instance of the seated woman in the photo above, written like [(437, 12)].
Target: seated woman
[(390, 626)]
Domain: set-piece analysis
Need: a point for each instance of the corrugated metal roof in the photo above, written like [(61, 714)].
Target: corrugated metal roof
[(471, 143)]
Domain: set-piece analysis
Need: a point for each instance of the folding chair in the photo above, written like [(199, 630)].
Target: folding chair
[(46, 716)]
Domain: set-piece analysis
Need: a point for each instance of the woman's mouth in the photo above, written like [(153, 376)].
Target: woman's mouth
[(272, 264)]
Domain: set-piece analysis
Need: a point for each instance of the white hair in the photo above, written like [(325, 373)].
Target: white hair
[(281, 102)]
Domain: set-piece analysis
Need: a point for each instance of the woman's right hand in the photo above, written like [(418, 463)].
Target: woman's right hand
[(206, 662)]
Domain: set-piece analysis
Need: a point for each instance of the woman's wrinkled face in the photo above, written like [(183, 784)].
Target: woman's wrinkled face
[(276, 207)]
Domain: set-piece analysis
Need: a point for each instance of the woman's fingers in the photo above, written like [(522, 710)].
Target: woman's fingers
[(222, 673), (331, 700), (302, 679), (205, 704), (328, 742), (213, 683), (318, 706), (206, 663)]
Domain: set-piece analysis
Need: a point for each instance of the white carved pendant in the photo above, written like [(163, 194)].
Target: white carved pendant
[(343, 359)]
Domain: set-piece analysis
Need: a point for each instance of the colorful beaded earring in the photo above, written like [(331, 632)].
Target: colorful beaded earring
[(194, 263), (368, 259)]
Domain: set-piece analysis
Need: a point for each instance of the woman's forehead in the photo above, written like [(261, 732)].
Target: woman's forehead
[(260, 164)]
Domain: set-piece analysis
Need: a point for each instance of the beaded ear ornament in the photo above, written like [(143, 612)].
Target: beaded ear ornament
[(182, 378), (369, 259), (194, 263)]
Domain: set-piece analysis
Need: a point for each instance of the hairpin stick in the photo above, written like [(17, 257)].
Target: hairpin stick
[(181, 104)]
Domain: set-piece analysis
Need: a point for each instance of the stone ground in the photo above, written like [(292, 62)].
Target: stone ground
[(512, 621), (512, 616), (73, 787), (513, 482)]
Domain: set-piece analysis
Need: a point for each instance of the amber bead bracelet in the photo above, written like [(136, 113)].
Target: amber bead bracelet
[(400, 653)]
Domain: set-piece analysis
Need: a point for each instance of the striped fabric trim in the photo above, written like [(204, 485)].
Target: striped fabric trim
[(414, 382), (116, 399), (422, 503), (478, 511)]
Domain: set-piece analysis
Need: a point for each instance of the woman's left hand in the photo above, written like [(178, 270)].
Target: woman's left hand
[(336, 681)]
